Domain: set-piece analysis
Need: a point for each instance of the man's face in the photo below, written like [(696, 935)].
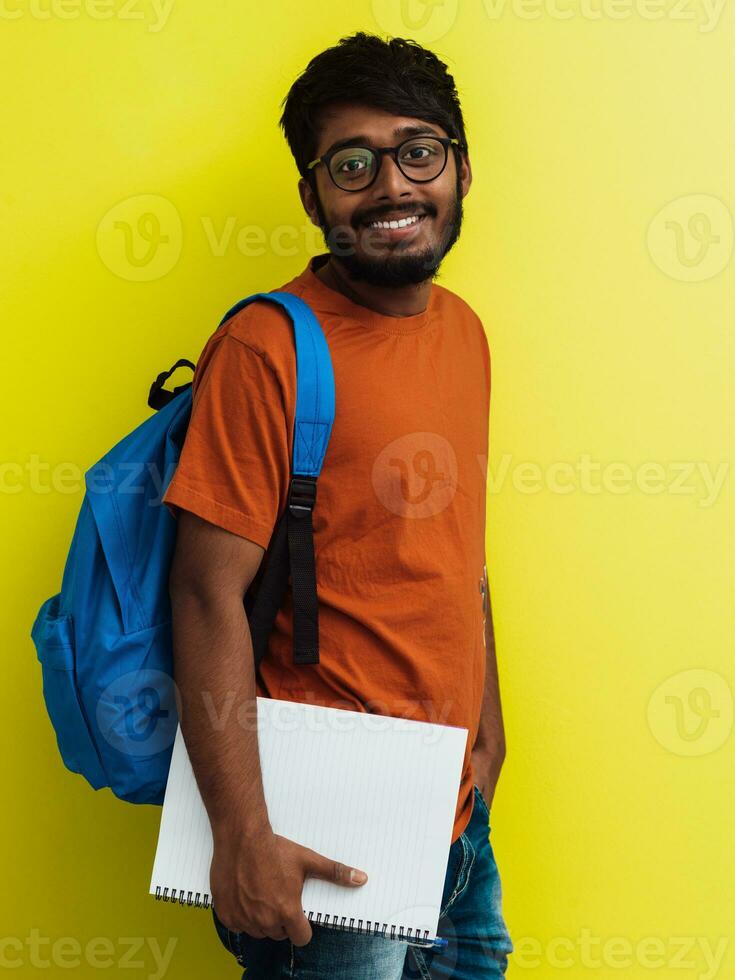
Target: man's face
[(378, 257)]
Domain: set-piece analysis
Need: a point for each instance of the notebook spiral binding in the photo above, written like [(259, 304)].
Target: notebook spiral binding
[(317, 918), (413, 935), (178, 894)]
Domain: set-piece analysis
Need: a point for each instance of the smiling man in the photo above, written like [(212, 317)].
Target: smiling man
[(376, 241), (376, 130)]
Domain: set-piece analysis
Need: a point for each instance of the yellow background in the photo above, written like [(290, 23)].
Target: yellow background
[(597, 249)]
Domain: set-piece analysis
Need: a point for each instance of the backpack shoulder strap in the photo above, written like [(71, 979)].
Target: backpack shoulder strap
[(314, 381), (292, 546)]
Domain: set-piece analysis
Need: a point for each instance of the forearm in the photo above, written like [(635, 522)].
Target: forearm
[(490, 740), (215, 676)]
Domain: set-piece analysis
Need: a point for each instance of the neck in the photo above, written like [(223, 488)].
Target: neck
[(389, 301)]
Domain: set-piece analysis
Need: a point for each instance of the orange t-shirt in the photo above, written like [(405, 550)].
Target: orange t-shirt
[(399, 520)]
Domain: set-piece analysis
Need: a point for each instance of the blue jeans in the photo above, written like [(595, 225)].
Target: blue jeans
[(471, 919)]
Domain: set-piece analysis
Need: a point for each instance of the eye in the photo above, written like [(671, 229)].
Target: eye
[(351, 165), (416, 152), (422, 153), (351, 162)]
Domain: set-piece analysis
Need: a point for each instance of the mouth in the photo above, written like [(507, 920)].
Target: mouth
[(394, 229)]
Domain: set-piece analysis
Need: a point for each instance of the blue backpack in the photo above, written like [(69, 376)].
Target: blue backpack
[(104, 642)]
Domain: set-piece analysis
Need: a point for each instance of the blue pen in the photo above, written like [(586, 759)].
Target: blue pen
[(437, 943)]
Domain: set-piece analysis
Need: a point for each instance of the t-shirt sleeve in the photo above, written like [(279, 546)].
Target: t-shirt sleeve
[(486, 360), (234, 466)]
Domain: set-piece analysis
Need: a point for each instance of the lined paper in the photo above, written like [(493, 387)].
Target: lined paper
[(372, 791)]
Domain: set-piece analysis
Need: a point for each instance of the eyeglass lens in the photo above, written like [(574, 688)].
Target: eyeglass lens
[(418, 159)]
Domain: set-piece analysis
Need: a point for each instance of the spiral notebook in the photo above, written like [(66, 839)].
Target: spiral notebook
[(372, 791)]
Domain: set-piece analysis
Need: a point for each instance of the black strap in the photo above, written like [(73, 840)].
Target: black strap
[(299, 509), (270, 590), (290, 550), (158, 396)]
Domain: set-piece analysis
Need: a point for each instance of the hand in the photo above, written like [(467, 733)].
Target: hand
[(256, 884)]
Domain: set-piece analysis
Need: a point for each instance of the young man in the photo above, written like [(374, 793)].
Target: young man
[(377, 133)]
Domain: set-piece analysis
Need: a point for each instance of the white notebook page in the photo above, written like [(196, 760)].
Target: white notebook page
[(372, 791)]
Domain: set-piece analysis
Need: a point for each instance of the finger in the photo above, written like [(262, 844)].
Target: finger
[(318, 866), (298, 928)]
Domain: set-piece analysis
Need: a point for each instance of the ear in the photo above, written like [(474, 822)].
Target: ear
[(308, 200), (465, 172)]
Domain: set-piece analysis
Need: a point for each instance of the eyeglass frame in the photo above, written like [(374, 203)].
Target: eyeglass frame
[(326, 159)]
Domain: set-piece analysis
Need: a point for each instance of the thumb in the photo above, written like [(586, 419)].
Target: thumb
[(318, 866)]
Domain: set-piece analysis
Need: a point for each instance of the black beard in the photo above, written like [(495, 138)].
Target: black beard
[(394, 269)]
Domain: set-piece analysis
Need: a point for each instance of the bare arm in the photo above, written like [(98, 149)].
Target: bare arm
[(214, 671), (488, 752), (256, 876)]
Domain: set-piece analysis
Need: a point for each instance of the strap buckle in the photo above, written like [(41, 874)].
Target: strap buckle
[(158, 396), (301, 495)]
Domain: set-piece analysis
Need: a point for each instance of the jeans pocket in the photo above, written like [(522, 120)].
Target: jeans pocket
[(463, 871), (229, 939), (480, 800)]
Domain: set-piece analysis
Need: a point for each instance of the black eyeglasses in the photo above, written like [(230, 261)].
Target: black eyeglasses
[(420, 159)]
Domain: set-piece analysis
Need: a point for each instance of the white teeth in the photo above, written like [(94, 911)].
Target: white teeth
[(395, 224)]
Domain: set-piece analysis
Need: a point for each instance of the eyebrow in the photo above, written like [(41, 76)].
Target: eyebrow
[(362, 140)]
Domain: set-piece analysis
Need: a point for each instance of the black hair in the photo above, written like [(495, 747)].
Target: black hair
[(396, 75)]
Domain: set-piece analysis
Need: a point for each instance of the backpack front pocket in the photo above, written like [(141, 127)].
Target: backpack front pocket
[(53, 635)]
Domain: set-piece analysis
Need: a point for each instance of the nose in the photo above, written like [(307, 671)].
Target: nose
[(390, 182)]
